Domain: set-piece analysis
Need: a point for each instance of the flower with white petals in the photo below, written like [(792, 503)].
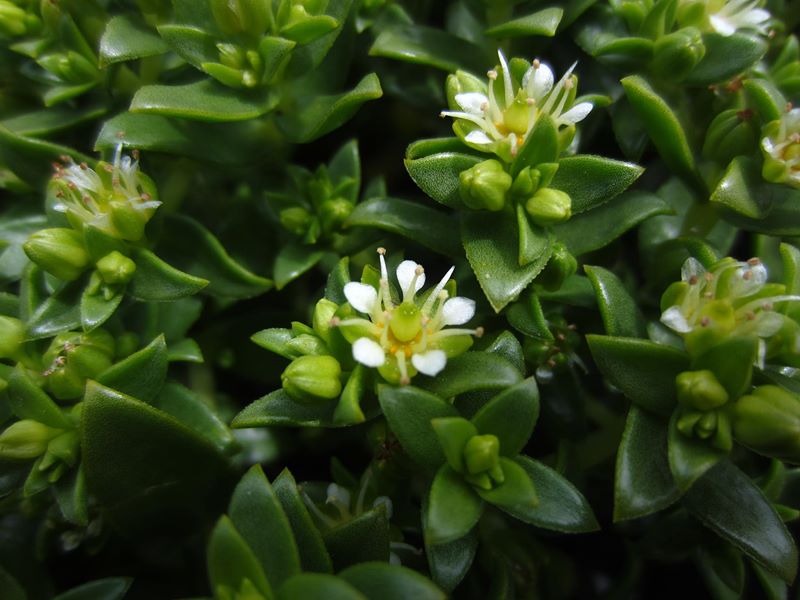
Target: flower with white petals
[(781, 149), (409, 336), (728, 16), (116, 198), (728, 300), (500, 117)]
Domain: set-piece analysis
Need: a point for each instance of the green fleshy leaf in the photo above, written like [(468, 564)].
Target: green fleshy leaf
[(292, 261), (431, 47), (790, 257), (193, 44), (279, 409), (313, 554), (127, 38), (473, 371), (689, 458), (109, 588), (413, 428), (597, 228), (527, 317), (510, 416), (643, 483), (231, 561), (257, 515), (768, 101), (508, 346), (44, 123), (388, 582), (275, 340), (490, 242), (735, 190), (731, 361), (134, 481), (59, 312), (348, 410), (337, 279), (185, 350), (620, 313), (70, 494), (593, 180), (414, 221), (726, 56), (645, 372), (156, 281), (191, 410), (453, 507), (561, 506), (344, 170), (364, 538), (319, 115), (28, 401), (316, 586), (13, 233), (662, 125), (453, 434), (96, 309), (435, 166), (204, 100), (543, 22), (717, 500), (516, 495), (450, 562), (140, 375)]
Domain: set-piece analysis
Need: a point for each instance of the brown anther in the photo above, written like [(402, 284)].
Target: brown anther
[(569, 84), (405, 380), (120, 134), (530, 101), (705, 321), (747, 275), (108, 168), (713, 87), (71, 185), (734, 85), (83, 166), (795, 138), (334, 322), (135, 154), (57, 167), (59, 194), (750, 315), (479, 332), (745, 115), (551, 363), (381, 250), (789, 106), (767, 306), (65, 158), (693, 280), (561, 337), (572, 327), (536, 63), (754, 262), (419, 270), (86, 199), (484, 106), (145, 196), (709, 277)]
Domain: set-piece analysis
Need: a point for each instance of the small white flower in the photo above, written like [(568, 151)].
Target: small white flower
[(726, 17), (781, 149), (409, 337), (503, 121)]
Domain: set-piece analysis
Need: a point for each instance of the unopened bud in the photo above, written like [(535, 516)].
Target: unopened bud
[(731, 133), (313, 379), (12, 336), (116, 268), (700, 390), (26, 440), (72, 358), (484, 186), (677, 54), (482, 454), (549, 206), (59, 251), (295, 219), (562, 264), (768, 421)]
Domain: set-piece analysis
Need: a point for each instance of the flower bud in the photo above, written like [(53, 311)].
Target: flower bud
[(12, 336), (59, 251), (730, 134), (242, 16), (700, 390), (562, 264), (129, 220), (481, 453), (676, 54), (768, 421), (295, 219), (334, 211), (15, 21), (72, 358), (313, 379), (526, 183), (116, 268), (26, 440), (484, 186), (549, 206)]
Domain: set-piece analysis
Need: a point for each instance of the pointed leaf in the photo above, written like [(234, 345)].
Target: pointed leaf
[(140, 375), (127, 38), (620, 313), (156, 281), (593, 180), (231, 561), (28, 401), (689, 458), (315, 586), (59, 312), (428, 46), (510, 416), (435, 166), (473, 371), (453, 507), (388, 582), (361, 539), (543, 22)]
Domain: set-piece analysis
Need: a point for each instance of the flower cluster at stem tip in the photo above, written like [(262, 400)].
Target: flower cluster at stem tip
[(499, 116), (781, 149), (728, 16), (409, 336)]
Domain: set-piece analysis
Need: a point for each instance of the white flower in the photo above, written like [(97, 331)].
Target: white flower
[(502, 122), (410, 336), (726, 298), (781, 149), (728, 16), (116, 198)]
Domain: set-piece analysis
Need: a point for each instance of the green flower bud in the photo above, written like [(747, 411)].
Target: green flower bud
[(700, 390), (307, 344), (334, 211), (549, 206), (12, 336), (242, 16), (482, 454), (313, 379), (677, 54), (560, 266), (25, 440), (462, 82), (780, 146), (116, 268), (295, 219), (72, 358), (730, 134), (526, 183), (484, 186), (59, 251), (768, 421), (14, 21)]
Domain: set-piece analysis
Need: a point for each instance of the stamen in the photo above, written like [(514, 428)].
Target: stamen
[(693, 280), (426, 308), (410, 292), (536, 63), (753, 262), (400, 355), (492, 74)]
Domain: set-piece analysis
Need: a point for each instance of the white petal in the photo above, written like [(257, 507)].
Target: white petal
[(577, 113), (769, 323), (405, 274), (472, 102), (692, 268), (722, 25), (754, 16), (337, 495), (749, 279), (476, 136), (361, 296), (368, 352), (458, 310), (540, 83), (674, 319), (430, 362)]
